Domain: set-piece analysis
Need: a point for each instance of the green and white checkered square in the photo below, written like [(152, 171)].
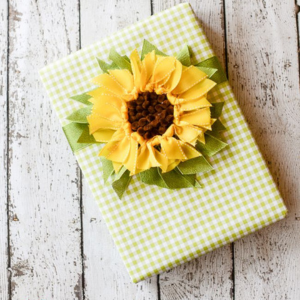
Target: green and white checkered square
[(156, 229)]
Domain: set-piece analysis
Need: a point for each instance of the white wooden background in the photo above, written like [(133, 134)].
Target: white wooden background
[(53, 242)]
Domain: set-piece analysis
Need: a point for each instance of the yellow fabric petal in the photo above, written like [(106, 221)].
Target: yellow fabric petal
[(187, 133), (143, 161), (189, 151), (103, 135), (201, 137), (163, 68), (190, 76), (136, 66), (108, 112), (117, 167), (147, 68), (104, 100), (130, 162), (161, 159), (96, 122), (149, 157), (172, 149), (121, 151), (108, 148), (198, 90), (198, 117), (109, 83), (174, 78), (97, 93), (124, 78), (195, 104), (172, 164), (208, 126)]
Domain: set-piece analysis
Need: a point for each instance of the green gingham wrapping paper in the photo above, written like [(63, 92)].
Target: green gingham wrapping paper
[(153, 228)]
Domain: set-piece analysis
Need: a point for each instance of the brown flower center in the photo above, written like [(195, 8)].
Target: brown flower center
[(150, 114)]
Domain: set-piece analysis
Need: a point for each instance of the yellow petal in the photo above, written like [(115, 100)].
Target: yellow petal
[(201, 137), (187, 133), (147, 68), (198, 117), (190, 76), (174, 78), (118, 135), (108, 112), (189, 151), (143, 161), (117, 167), (130, 162), (96, 122), (195, 104), (136, 66), (97, 93), (106, 99), (198, 90), (149, 157), (171, 148), (108, 148), (124, 78), (121, 151), (109, 83), (173, 164), (103, 135), (163, 68), (208, 126), (161, 159)]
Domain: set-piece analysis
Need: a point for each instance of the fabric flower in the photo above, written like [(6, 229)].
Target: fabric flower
[(152, 116)]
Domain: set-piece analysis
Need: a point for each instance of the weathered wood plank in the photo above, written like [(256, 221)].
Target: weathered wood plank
[(210, 276), (44, 211), (4, 289), (105, 273), (264, 72)]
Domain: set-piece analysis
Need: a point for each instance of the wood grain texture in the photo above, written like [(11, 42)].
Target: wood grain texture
[(264, 72), (44, 212), (4, 287), (210, 276), (44, 183), (105, 274)]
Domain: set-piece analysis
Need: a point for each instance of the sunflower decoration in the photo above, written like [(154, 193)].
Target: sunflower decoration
[(153, 115)]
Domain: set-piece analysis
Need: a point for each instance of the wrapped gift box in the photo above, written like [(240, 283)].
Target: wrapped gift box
[(154, 228)]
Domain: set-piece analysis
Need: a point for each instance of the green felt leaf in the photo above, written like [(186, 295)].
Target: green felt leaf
[(152, 177), (107, 168), (126, 58), (175, 180), (121, 183), (216, 109), (212, 145), (105, 66), (82, 98), (120, 173), (213, 62), (217, 127), (73, 131), (119, 60), (170, 180), (198, 184), (148, 47), (209, 71), (86, 137), (195, 165), (184, 56), (79, 116)]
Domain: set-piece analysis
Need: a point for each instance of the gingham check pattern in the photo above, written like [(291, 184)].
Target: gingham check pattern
[(153, 228)]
